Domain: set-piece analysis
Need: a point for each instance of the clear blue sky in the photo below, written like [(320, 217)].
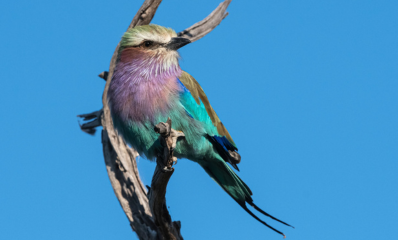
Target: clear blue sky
[(307, 89)]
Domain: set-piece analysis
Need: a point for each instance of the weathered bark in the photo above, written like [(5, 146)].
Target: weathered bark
[(90, 127), (148, 215), (160, 179), (200, 29)]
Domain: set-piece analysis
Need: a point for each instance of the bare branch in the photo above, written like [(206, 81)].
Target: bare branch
[(146, 13), (90, 127), (148, 217), (104, 75), (129, 189), (126, 183), (200, 29), (163, 172)]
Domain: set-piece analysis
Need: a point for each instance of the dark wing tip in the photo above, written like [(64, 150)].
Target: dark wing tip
[(234, 165)]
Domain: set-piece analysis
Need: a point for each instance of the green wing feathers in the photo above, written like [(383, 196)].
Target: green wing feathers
[(224, 176)]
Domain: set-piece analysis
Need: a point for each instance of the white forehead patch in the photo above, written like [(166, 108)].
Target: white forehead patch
[(156, 33)]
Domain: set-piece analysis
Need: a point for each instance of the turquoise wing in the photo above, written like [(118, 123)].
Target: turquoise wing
[(198, 107)]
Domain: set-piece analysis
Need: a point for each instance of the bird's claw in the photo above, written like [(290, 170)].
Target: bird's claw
[(174, 160), (166, 169)]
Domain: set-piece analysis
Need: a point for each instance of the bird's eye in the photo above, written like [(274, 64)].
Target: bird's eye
[(148, 43)]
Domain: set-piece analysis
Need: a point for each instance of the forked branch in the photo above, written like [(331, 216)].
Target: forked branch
[(148, 216)]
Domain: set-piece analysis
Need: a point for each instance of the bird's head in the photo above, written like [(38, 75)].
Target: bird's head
[(151, 45)]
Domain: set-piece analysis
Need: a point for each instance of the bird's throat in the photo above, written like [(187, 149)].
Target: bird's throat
[(143, 88)]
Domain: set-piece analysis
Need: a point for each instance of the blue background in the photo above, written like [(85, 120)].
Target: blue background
[(307, 89)]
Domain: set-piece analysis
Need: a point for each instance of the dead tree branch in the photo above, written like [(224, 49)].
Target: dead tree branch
[(90, 127), (148, 216), (160, 179), (200, 29)]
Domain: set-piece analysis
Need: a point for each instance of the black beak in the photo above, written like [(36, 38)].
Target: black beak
[(177, 42)]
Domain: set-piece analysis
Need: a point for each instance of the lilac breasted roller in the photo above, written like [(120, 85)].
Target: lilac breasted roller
[(148, 86)]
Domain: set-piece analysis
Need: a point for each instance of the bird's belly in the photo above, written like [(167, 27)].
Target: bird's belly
[(141, 136)]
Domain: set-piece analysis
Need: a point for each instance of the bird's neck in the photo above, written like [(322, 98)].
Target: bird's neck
[(142, 65), (143, 87)]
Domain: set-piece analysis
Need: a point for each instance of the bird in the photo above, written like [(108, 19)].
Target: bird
[(148, 87)]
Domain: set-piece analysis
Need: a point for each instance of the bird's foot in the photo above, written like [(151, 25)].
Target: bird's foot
[(167, 169), (174, 160)]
